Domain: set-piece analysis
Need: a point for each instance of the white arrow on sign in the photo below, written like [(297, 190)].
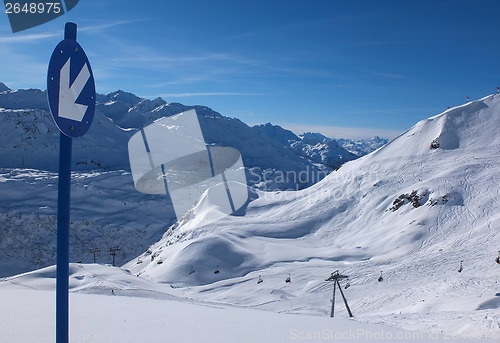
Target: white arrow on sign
[(68, 94)]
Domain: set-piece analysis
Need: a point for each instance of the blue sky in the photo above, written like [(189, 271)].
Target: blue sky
[(343, 68)]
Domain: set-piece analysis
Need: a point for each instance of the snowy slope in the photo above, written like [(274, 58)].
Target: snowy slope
[(141, 311), (106, 211), (408, 210)]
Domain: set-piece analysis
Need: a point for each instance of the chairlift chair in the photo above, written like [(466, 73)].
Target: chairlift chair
[(380, 278)]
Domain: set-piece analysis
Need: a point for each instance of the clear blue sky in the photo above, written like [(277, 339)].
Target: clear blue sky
[(367, 67)]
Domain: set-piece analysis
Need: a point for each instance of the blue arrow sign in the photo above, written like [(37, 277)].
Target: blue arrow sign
[(71, 95), (71, 89)]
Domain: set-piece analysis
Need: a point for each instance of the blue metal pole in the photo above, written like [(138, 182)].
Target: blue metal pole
[(63, 209)]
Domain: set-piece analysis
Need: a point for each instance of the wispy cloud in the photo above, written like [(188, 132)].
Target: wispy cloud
[(29, 37), (288, 27), (393, 111), (35, 37), (150, 56), (387, 75), (184, 95), (183, 81), (19, 70), (99, 27)]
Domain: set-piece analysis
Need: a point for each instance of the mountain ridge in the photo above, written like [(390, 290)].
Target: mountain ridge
[(119, 114)]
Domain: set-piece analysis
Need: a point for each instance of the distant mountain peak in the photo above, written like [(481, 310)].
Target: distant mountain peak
[(3, 87), (276, 132), (314, 138), (124, 97)]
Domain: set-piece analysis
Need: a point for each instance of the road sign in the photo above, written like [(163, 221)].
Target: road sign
[(71, 88), (71, 95)]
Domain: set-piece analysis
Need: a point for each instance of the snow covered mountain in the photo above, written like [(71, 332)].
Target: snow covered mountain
[(361, 147), (313, 147), (412, 212), (106, 209), (120, 114), (3, 87)]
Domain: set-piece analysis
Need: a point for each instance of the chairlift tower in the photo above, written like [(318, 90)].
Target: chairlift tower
[(112, 252), (96, 252), (335, 276)]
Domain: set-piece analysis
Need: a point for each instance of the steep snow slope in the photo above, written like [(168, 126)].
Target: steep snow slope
[(408, 210)]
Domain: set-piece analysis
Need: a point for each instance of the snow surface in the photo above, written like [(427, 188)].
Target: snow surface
[(142, 311), (407, 210)]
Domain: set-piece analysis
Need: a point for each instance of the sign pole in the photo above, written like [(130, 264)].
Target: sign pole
[(71, 96), (63, 220), (63, 207)]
